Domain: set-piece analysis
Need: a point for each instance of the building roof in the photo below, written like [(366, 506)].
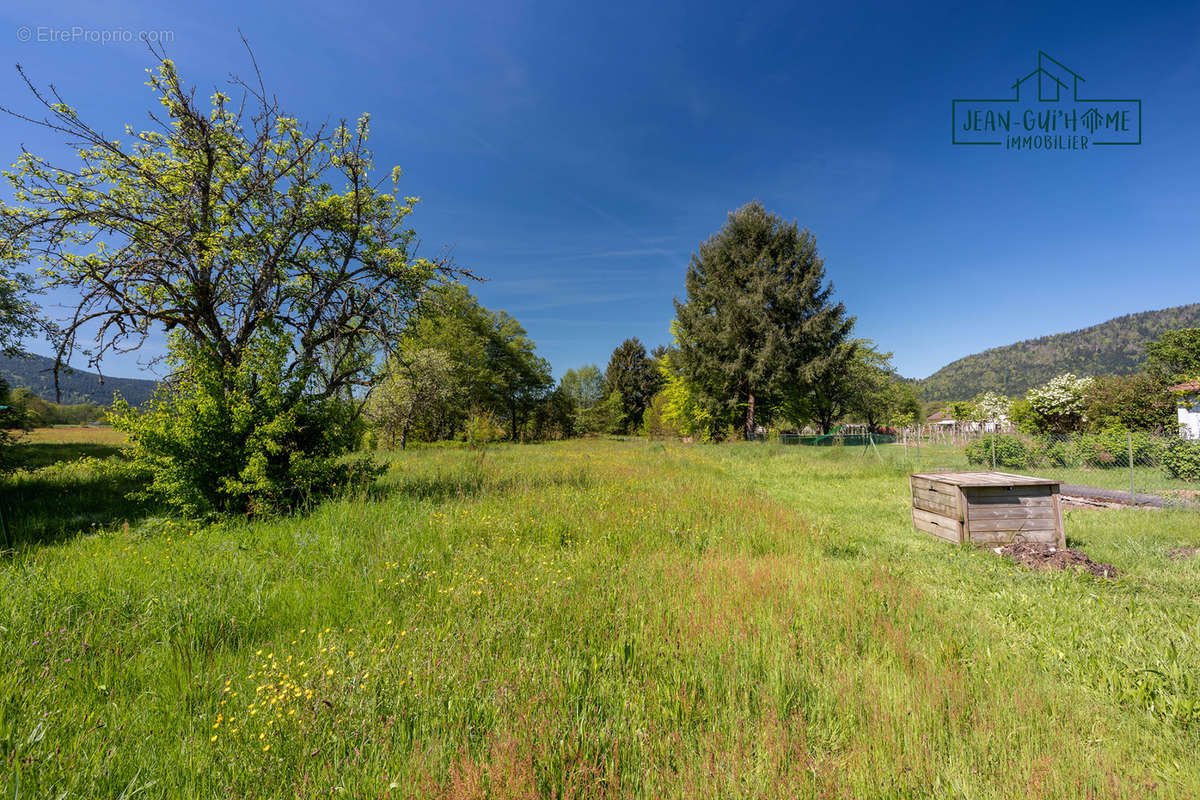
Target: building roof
[(1189, 386)]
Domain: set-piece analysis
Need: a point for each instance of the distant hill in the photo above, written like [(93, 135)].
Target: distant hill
[(78, 386), (1116, 347)]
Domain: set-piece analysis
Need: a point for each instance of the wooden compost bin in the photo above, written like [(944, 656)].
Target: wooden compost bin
[(987, 508)]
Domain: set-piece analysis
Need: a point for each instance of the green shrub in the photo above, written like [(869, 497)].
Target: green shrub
[(1060, 453), (1181, 459), (1011, 451), (242, 438), (481, 429), (1110, 448)]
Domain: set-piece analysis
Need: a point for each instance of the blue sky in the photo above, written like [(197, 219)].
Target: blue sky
[(576, 155)]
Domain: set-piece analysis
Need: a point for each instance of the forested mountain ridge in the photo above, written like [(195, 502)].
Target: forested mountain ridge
[(1115, 347), (78, 386)]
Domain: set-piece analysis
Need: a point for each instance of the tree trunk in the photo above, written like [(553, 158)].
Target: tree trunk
[(750, 418), (404, 436)]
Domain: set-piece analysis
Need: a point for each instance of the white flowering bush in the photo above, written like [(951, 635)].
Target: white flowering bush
[(1057, 406), (994, 406)]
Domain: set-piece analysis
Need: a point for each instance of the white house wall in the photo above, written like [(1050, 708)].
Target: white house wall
[(1189, 419)]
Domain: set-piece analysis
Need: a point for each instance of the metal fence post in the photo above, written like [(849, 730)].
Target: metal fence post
[(1132, 491)]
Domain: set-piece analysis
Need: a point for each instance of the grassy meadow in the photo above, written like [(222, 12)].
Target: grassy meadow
[(588, 619)]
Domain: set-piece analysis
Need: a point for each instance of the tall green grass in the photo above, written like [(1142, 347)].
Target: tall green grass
[(597, 619)]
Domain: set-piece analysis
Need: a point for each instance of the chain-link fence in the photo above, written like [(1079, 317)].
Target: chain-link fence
[(1113, 466), (1166, 467)]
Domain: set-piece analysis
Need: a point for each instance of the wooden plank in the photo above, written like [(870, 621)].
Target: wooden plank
[(963, 537), (1043, 503), (927, 485), (1027, 480), (946, 525), (1014, 511), (949, 497), (975, 498), (1061, 532), (945, 490), (1011, 524), (940, 527), (984, 479), (933, 507), (1008, 491)]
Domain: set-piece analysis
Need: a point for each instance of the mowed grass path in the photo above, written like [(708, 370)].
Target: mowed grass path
[(599, 619)]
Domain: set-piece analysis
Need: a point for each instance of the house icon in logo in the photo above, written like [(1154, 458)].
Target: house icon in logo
[(1051, 77)]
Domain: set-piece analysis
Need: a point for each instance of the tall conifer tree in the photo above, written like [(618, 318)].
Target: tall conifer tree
[(758, 323)]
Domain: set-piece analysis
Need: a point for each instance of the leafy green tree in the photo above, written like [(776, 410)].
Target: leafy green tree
[(633, 377), (494, 363), (522, 378), (259, 244), (1138, 402), (877, 393), (684, 412), (654, 422), (853, 380), (1175, 356), (965, 411), (452, 321), (19, 317), (554, 417), (585, 387), (758, 325), (415, 393), (33, 411), (611, 414), (906, 404)]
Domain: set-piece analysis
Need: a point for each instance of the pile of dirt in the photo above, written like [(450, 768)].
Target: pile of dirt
[(1046, 556)]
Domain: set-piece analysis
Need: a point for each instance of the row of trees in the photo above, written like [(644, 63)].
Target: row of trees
[(31, 411), (758, 341), (459, 366), (617, 399)]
